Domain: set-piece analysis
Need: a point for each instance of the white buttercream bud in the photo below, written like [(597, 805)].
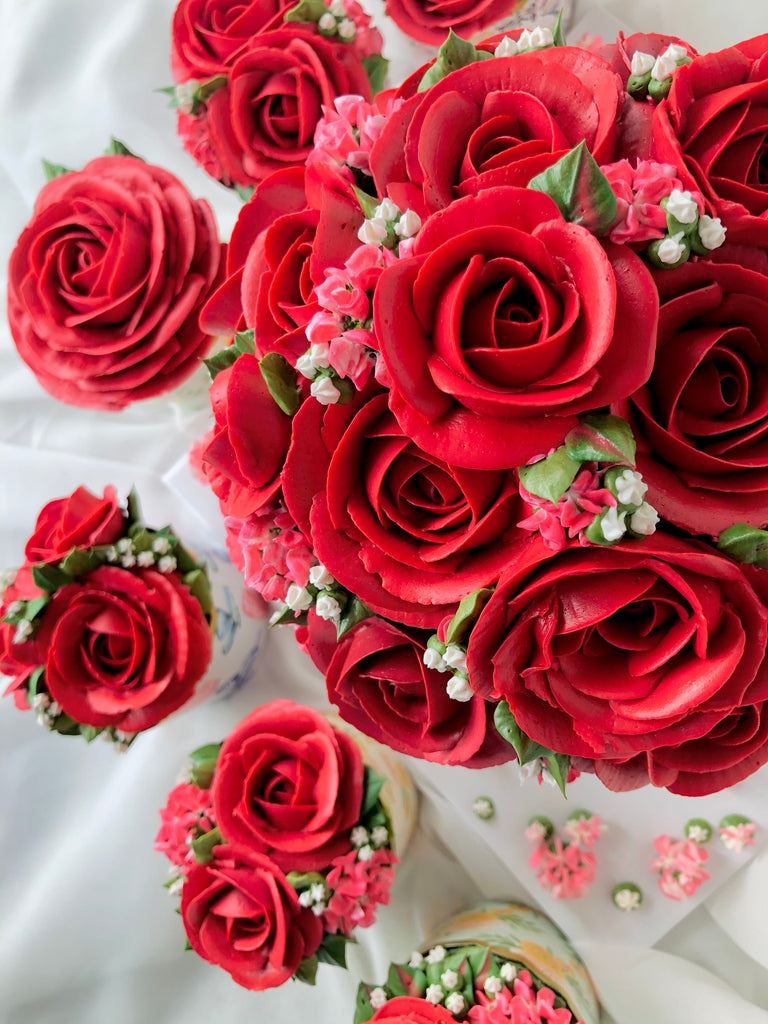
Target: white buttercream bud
[(506, 48), (416, 959), (325, 391), (22, 632), (380, 835), (493, 985), (365, 852), (612, 525), (112, 554), (458, 688), (541, 38), (644, 520), (711, 231), (675, 52), (641, 63), (145, 559), (455, 1002), (14, 608), (524, 41), (434, 994), (630, 487), (161, 545), (433, 659), (318, 909), (167, 563), (671, 248), (327, 607), (40, 701), (174, 889), (387, 210), (682, 206), (185, 93), (305, 898), (508, 972), (317, 889), (372, 231), (125, 546), (358, 836), (320, 577), (456, 657), (320, 354), (347, 29), (530, 769), (305, 366), (450, 979), (327, 23), (408, 225), (128, 561), (664, 66), (337, 7), (298, 598), (436, 955), (627, 899), (377, 998), (54, 709)]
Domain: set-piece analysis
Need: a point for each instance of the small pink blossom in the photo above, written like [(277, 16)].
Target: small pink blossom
[(736, 837), (270, 551), (584, 831), (521, 1004), (342, 296), (565, 870), (357, 887), (323, 327), (573, 511), (679, 864), (187, 815), (349, 356), (639, 191)]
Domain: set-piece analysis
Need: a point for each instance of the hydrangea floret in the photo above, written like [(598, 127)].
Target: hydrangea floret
[(737, 832), (679, 865)]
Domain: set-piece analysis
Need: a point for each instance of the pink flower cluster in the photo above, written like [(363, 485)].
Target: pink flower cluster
[(639, 191), (187, 815), (563, 869), (679, 866), (520, 1005), (357, 888), (736, 837), (270, 550), (345, 134), (560, 521)]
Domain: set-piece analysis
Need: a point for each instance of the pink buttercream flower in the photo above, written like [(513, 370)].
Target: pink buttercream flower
[(323, 327), (736, 837), (187, 815), (584, 831), (349, 356), (639, 191), (342, 296), (270, 551), (679, 864), (357, 888), (565, 870), (520, 1005), (573, 511)]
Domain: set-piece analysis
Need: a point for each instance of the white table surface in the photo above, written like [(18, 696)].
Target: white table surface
[(87, 934)]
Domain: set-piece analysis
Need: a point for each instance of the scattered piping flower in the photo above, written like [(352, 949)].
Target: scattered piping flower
[(736, 832), (584, 828), (539, 829), (563, 869), (484, 808), (679, 866), (627, 896), (698, 830)]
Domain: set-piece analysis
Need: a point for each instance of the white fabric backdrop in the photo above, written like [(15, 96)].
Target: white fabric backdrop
[(86, 931)]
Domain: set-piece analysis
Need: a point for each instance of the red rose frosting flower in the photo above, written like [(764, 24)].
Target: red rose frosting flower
[(409, 1010), (82, 520), (288, 784), (241, 914), (647, 658), (713, 125), (430, 22), (379, 682), (264, 118), (499, 122), (700, 421), (244, 459), (405, 531), (208, 35), (106, 282), (506, 323), (123, 649)]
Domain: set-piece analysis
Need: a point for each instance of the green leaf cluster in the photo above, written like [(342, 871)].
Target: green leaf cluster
[(527, 749)]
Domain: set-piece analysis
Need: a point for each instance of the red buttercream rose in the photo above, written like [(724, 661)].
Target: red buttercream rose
[(498, 122), (407, 532), (106, 282), (646, 658), (505, 324), (430, 22), (409, 1010), (714, 125), (122, 648), (264, 118), (82, 520), (701, 420), (208, 35), (244, 458), (241, 914), (289, 785), (377, 678), (19, 657)]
